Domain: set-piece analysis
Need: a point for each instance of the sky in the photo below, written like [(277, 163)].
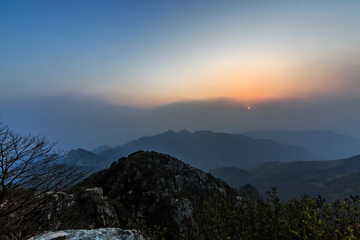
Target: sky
[(87, 73)]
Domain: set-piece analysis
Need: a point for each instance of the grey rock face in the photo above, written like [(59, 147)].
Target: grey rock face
[(98, 210), (94, 234), (85, 208)]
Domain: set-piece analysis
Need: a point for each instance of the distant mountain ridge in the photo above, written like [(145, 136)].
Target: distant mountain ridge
[(333, 179), (84, 158), (326, 144), (101, 149), (207, 149)]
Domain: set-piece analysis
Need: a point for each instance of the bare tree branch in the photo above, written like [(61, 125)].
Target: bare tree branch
[(29, 170)]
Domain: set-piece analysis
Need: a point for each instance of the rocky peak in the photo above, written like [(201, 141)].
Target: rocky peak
[(159, 187)]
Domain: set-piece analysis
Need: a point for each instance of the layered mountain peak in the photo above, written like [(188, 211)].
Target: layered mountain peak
[(207, 150), (326, 144)]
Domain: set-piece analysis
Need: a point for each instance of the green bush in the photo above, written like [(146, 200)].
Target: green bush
[(305, 218)]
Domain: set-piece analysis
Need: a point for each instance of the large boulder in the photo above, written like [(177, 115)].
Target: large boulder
[(81, 209), (76, 208), (85, 234), (88, 208)]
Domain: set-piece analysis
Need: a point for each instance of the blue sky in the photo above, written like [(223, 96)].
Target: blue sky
[(148, 54)]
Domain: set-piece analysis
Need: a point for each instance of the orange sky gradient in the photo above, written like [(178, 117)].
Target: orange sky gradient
[(246, 83), (153, 54)]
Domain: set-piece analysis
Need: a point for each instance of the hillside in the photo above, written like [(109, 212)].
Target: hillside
[(233, 176), (162, 189), (327, 144), (334, 179), (207, 150)]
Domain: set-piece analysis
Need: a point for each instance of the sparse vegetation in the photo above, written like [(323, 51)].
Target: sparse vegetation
[(305, 218)]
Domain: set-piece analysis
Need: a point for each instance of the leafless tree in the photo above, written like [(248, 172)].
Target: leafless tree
[(30, 170)]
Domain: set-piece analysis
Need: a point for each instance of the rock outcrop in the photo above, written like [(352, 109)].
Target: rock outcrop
[(80, 208), (164, 190), (85, 234), (77, 208)]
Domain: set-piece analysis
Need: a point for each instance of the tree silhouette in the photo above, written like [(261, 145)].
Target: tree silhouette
[(30, 170)]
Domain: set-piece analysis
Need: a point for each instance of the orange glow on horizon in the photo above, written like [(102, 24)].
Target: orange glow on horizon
[(244, 82)]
